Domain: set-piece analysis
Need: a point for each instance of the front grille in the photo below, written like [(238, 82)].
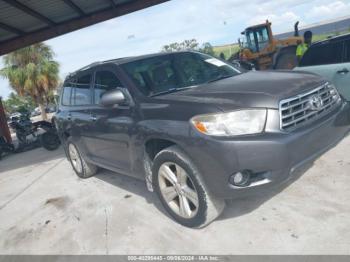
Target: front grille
[(301, 109)]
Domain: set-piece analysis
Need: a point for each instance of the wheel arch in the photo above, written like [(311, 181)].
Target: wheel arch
[(152, 147)]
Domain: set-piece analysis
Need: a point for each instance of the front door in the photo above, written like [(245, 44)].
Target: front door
[(342, 73), (110, 127)]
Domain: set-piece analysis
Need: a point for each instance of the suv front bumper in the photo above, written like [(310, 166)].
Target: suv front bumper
[(273, 157)]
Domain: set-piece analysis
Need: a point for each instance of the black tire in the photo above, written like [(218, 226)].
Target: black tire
[(209, 207), (286, 59), (87, 169), (50, 140)]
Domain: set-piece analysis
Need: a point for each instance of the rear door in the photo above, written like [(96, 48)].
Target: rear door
[(62, 116), (79, 114), (110, 127), (328, 61)]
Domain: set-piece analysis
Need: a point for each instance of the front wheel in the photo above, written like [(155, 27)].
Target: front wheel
[(181, 190), (81, 167)]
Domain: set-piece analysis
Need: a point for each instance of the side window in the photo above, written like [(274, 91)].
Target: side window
[(82, 92), (328, 53), (104, 81), (66, 94)]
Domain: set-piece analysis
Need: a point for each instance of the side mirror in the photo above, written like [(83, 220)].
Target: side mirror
[(113, 97)]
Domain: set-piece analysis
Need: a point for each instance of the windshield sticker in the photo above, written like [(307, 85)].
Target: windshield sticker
[(215, 61)]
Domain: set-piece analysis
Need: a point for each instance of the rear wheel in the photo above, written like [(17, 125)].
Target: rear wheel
[(82, 168), (181, 190), (50, 140)]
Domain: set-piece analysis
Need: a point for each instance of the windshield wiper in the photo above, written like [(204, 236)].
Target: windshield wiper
[(219, 78), (169, 91)]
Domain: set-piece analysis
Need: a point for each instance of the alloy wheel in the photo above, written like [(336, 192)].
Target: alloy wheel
[(75, 158), (178, 190)]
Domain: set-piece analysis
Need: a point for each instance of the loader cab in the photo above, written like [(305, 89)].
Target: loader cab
[(257, 38)]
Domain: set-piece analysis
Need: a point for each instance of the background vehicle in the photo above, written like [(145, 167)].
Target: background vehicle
[(29, 133), (331, 59), (266, 52), (16, 114), (197, 129), (48, 109)]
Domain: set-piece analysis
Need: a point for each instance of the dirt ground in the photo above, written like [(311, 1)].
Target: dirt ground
[(46, 209)]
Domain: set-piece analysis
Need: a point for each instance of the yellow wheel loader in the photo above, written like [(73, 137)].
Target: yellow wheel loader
[(261, 49)]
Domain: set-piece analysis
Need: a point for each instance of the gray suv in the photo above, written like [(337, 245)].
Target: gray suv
[(197, 129)]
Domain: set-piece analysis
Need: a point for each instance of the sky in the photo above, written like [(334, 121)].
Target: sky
[(216, 21)]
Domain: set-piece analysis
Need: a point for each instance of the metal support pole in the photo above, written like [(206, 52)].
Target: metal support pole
[(4, 129)]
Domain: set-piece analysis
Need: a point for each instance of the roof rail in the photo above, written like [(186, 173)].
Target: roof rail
[(332, 37), (89, 66), (116, 59), (94, 64)]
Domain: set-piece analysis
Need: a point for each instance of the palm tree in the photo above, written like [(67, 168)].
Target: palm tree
[(32, 72)]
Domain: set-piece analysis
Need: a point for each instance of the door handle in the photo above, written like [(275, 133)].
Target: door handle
[(343, 71)]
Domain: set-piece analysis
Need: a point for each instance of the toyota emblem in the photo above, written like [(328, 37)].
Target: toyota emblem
[(315, 103)]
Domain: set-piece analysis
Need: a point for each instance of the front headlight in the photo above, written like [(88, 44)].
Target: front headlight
[(242, 122), (333, 92)]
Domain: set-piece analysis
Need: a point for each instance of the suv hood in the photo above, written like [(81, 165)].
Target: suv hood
[(252, 89)]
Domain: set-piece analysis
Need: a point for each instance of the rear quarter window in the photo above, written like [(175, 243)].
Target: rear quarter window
[(66, 95), (323, 54)]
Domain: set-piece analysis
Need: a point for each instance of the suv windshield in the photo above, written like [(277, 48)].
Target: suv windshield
[(172, 72)]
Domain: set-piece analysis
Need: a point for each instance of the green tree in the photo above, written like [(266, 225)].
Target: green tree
[(191, 44), (32, 72), (15, 103), (207, 48)]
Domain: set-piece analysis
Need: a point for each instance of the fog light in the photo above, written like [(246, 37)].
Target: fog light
[(240, 178)]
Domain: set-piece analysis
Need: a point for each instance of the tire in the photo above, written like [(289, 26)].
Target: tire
[(50, 141), (286, 59), (82, 168), (199, 207)]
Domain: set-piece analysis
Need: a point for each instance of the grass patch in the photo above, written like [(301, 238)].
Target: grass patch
[(227, 50)]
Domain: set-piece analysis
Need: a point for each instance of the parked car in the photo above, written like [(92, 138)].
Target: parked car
[(195, 128), (331, 59), (35, 113), (50, 109)]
